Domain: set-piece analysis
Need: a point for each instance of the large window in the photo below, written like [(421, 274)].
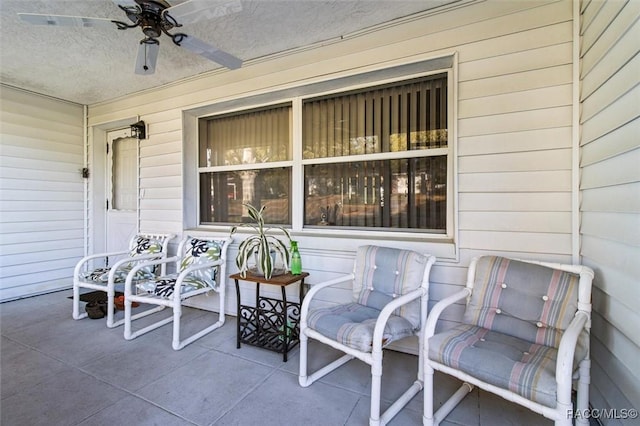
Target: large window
[(246, 158), (377, 158)]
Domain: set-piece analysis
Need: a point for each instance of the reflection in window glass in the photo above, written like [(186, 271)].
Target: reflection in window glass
[(400, 194), (256, 136), (387, 120), (398, 117), (124, 174), (222, 195)]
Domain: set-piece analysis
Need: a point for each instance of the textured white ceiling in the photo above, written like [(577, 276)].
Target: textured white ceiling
[(91, 65)]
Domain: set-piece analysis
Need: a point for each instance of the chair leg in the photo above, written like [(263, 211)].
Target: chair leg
[(427, 416), (76, 303), (177, 315), (582, 402), (452, 402), (376, 384), (306, 379), (302, 374), (129, 334), (111, 295)]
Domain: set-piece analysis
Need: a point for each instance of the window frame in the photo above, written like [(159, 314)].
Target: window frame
[(400, 155), (445, 242)]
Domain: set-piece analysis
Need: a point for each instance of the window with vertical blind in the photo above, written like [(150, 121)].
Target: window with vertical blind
[(245, 157), (376, 158)]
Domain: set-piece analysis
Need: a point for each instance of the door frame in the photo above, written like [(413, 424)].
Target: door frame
[(96, 196), (112, 225)]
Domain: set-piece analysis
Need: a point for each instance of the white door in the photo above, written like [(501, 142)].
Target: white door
[(122, 189)]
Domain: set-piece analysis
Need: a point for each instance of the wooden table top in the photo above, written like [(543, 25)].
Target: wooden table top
[(281, 280)]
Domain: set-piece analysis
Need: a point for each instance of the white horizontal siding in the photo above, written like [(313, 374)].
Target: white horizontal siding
[(610, 190), (514, 131), (514, 127), (41, 193)]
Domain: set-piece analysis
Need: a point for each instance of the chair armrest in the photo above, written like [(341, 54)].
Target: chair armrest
[(132, 273), (388, 309), (438, 308), (134, 259), (304, 309), (567, 348), (176, 291), (86, 259)]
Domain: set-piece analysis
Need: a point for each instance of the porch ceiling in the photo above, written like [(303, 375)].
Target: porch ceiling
[(88, 66)]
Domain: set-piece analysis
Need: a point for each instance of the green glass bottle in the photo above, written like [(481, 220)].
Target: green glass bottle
[(296, 262)]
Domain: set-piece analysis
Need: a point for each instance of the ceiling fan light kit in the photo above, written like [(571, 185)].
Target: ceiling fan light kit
[(156, 17)]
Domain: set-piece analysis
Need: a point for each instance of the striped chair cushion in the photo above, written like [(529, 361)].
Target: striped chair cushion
[(352, 325), (532, 302), (508, 362), (383, 273)]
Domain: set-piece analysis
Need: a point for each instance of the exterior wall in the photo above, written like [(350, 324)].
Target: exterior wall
[(41, 193), (610, 190), (514, 127)]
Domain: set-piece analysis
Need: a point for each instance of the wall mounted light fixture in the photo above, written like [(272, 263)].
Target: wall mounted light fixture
[(139, 130)]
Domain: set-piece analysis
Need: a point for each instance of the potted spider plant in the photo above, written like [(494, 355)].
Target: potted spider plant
[(262, 245)]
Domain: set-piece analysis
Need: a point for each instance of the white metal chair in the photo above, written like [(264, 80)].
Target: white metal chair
[(142, 247), (200, 268), (524, 337), (390, 295)]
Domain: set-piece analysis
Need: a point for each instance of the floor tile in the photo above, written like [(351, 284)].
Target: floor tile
[(22, 367), (63, 399), (140, 362), (205, 388), (134, 411), (292, 404), (494, 411)]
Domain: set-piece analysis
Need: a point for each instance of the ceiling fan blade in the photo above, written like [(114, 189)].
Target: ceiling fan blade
[(65, 21), (201, 10), (214, 54), (125, 3), (147, 58)]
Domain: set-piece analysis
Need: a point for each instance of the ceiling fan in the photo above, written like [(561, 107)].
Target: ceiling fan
[(156, 17)]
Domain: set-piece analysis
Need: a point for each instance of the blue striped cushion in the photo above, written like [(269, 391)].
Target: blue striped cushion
[(524, 300), (508, 362), (352, 325), (383, 273)]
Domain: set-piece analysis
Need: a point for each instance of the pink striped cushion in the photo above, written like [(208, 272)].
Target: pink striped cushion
[(524, 300)]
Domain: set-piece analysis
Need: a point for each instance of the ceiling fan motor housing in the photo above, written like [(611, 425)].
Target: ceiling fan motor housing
[(150, 17)]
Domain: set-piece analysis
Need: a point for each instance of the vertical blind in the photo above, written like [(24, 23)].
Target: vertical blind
[(390, 118), (256, 136), (248, 137), (395, 193)]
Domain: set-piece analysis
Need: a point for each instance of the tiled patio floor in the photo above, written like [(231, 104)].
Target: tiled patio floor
[(57, 371)]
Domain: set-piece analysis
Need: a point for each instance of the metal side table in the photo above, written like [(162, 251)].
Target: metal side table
[(273, 324)]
